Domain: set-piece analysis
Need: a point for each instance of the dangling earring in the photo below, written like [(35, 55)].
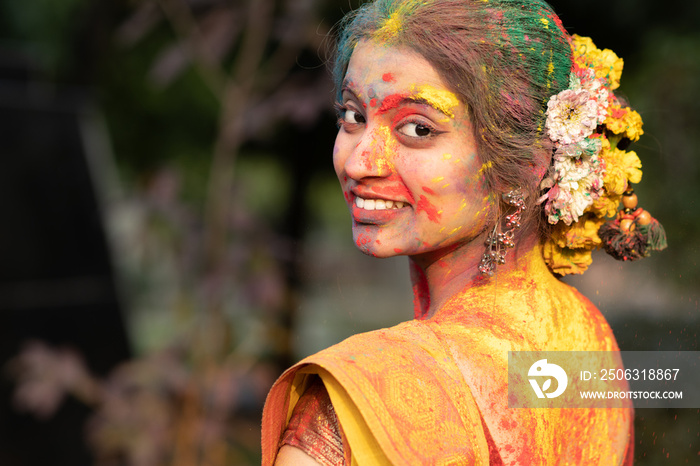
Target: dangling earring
[(497, 243)]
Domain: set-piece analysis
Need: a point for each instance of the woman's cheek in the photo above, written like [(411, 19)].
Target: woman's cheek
[(337, 162)]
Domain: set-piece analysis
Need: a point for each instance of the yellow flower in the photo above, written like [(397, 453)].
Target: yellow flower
[(634, 123), (580, 234), (610, 67), (582, 45), (621, 167), (624, 120), (605, 62), (606, 206), (565, 261)]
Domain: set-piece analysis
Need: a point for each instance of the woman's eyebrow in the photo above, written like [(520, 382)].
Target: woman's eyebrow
[(396, 100), (441, 100), (348, 87)]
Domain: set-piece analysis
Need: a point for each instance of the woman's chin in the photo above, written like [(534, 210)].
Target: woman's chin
[(377, 248), (380, 252)]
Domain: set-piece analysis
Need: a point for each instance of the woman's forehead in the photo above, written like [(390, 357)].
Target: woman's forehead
[(377, 70), (390, 66)]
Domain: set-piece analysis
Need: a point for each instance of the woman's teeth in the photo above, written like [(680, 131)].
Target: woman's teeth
[(377, 204)]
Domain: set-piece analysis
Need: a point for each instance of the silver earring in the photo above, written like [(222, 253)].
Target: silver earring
[(497, 243)]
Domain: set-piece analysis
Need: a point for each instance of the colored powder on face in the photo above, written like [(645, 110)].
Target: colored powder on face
[(388, 78), (367, 160), (428, 190), (373, 103), (396, 192), (440, 99), (383, 145), (430, 210), (362, 240), (398, 250), (390, 102), (401, 114)]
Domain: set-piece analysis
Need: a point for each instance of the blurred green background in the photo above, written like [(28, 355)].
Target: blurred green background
[(174, 235)]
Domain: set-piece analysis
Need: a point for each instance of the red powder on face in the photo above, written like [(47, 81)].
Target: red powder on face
[(401, 114), (362, 240), (398, 251), (373, 103), (367, 160), (428, 190), (388, 78), (391, 102), (378, 242), (395, 192), (425, 205)]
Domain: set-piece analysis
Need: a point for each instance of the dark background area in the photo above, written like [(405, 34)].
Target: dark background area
[(123, 126)]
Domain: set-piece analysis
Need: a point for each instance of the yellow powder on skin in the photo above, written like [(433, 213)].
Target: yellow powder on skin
[(440, 99), (383, 164)]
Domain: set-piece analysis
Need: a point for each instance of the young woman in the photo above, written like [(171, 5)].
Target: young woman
[(468, 129)]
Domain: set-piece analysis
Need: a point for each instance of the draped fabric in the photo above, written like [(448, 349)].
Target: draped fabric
[(435, 391), (313, 427)]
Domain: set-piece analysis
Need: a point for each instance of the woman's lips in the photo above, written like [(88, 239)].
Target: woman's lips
[(376, 211), (377, 204)]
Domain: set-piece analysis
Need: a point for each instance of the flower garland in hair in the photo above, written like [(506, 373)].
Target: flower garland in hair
[(591, 171)]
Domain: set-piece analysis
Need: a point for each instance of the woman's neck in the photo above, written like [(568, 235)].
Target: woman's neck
[(438, 277)]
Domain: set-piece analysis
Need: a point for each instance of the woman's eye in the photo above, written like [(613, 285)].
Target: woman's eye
[(416, 130), (351, 116)]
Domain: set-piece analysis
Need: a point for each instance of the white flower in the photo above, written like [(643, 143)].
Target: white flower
[(575, 183), (571, 116), (588, 146), (596, 88)]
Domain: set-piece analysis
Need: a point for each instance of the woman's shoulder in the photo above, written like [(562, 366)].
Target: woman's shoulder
[(402, 391)]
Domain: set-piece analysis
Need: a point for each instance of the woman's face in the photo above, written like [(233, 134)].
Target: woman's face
[(406, 158)]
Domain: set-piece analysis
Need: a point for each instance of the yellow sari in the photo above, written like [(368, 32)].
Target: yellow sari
[(435, 391)]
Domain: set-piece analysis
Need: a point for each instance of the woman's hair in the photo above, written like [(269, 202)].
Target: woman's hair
[(503, 58)]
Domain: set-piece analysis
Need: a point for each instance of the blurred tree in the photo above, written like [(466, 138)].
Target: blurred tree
[(186, 78)]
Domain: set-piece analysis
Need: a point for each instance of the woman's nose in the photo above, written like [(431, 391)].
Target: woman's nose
[(371, 157)]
